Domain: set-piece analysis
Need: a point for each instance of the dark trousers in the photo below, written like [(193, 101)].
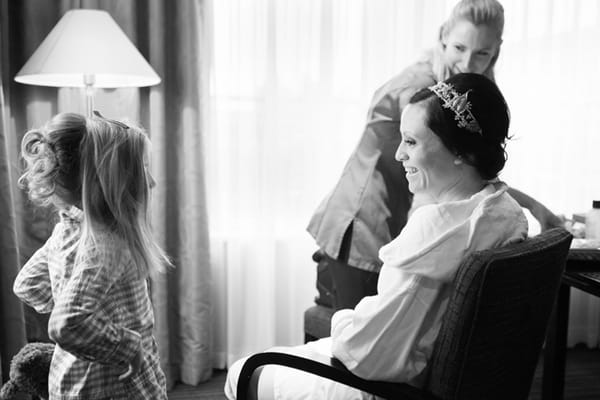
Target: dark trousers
[(341, 285)]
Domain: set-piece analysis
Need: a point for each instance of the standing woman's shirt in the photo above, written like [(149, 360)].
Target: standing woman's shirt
[(100, 314), (371, 196), (414, 284)]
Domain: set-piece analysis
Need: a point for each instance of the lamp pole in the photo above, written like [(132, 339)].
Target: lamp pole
[(89, 80)]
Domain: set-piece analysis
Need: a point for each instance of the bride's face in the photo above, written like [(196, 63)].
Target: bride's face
[(429, 165)]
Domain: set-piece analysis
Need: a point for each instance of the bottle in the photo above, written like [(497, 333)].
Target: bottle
[(592, 221)]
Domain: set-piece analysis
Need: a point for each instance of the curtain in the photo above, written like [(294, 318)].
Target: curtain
[(172, 36), (290, 85), (12, 319)]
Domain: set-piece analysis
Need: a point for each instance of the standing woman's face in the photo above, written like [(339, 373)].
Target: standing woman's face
[(469, 48)]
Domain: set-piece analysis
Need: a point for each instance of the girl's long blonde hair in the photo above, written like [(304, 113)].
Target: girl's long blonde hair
[(98, 165)]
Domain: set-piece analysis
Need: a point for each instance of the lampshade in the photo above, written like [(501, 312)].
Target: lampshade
[(87, 47)]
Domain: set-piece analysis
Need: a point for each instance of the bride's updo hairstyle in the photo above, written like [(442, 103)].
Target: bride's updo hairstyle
[(470, 116)]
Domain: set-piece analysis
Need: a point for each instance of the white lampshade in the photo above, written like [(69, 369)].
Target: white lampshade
[(87, 48)]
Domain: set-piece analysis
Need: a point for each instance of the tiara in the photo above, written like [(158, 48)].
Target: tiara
[(457, 103)]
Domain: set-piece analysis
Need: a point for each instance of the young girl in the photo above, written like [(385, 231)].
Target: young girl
[(91, 273)]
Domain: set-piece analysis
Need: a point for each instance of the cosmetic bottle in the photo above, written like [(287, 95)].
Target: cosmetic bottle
[(592, 221)]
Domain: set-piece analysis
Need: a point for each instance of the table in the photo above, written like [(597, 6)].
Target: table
[(553, 379)]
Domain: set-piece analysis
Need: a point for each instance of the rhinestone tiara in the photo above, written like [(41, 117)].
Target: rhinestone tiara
[(459, 104)]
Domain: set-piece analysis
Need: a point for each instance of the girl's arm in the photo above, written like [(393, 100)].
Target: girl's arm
[(545, 217), (32, 284), (99, 291)]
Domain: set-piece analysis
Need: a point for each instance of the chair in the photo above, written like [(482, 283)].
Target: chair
[(491, 335)]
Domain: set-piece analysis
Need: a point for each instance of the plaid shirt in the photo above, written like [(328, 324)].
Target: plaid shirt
[(100, 315)]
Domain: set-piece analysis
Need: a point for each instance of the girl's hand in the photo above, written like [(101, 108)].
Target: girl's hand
[(134, 366)]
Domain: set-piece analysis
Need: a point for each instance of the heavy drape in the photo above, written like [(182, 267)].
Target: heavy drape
[(292, 83), (171, 36)]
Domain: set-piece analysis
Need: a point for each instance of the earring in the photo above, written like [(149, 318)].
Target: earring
[(457, 161)]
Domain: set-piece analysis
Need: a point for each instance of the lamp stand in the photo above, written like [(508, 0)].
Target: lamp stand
[(89, 80)]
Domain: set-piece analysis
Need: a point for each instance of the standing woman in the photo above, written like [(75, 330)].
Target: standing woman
[(370, 203)]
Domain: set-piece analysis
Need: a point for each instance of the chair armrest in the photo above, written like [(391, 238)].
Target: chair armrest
[(329, 368)]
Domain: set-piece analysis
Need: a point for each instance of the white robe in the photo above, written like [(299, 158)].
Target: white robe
[(390, 336)]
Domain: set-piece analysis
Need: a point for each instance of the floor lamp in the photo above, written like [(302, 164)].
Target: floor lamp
[(87, 49)]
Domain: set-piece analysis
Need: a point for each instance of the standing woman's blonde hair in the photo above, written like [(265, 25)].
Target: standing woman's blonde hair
[(479, 12), (98, 165)]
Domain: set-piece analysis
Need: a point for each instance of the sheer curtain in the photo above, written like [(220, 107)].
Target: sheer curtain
[(291, 83)]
